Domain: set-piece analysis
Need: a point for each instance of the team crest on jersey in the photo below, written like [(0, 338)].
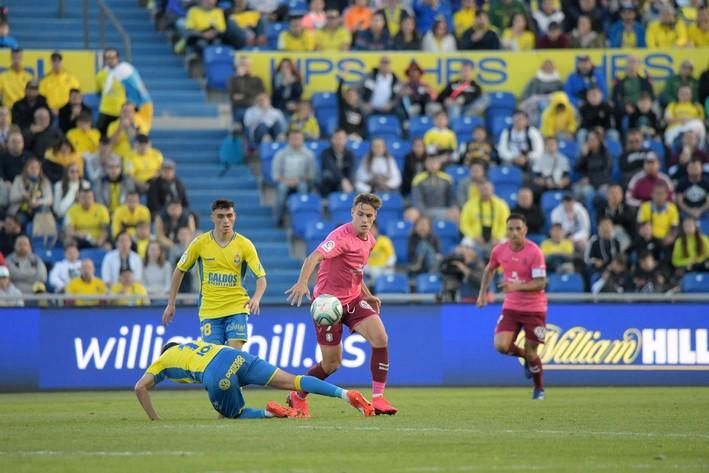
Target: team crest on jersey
[(365, 305), (224, 384), (237, 259), (540, 332), (328, 337), (328, 246)]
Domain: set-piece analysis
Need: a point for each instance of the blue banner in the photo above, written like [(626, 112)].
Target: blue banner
[(629, 344)]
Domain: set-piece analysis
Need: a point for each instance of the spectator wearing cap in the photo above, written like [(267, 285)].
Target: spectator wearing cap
[(574, 220), (627, 32), (120, 259), (675, 81), (23, 110), (667, 31), (358, 16), (338, 166), (69, 113), (428, 11), (57, 84), (169, 222), (484, 220), (6, 41), (481, 36), (126, 217), (112, 189), (333, 36), (433, 192), (419, 97), (439, 39), (133, 292), (381, 91), (407, 39), (640, 187), (585, 76), (67, 269), (699, 31), (244, 87), (165, 188), (628, 89), (662, 215), (13, 81), (143, 162), (86, 284), (522, 144), (84, 138), (296, 38), (463, 96), (66, 191), (683, 115), (25, 267), (294, 169), (546, 14), (87, 221), (10, 296), (501, 11), (13, 157), (554, 38), (374, 38)]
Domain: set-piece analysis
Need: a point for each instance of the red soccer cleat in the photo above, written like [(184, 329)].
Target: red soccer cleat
[(299, 404), (280, 411), (382, 406), (360, 403)]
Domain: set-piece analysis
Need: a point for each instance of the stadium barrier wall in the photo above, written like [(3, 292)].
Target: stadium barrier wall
[(82, 64), (592, 344), (495, 70)]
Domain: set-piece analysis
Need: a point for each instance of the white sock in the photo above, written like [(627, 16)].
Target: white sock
[(344, 395)]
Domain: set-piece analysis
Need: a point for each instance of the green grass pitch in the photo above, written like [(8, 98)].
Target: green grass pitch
[(436, 430)]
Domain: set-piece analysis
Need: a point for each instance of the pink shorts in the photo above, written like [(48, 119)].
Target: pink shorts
[(353, 313), (534, 324)]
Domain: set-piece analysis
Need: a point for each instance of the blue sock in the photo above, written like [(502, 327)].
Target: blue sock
[(311, 384), (250, 413)]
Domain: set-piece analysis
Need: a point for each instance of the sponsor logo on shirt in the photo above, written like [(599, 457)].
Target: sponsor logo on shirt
[(328, 246), (222, 279)]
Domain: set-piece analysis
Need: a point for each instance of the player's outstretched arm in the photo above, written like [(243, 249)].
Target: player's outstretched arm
[(300, 288), (254, 302), (142, 388), (535, 285), (169, 312), (484, 285)]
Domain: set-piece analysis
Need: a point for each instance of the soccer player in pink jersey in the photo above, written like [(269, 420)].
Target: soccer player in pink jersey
[(525, 305), (342, 258)]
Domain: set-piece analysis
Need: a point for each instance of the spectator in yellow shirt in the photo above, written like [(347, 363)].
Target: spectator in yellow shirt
[(87, 221), (559, 118), (558, 251), (142, 238), (114, 97), (296, 38), (84, 138), (58, 158), (304, 120), (464, 19), (691, 249), (127, 216), (123, 131), (483, 221), (667, 31), (55, 86), (699, 32), (382, 259), (14, 80), (393, 13), (333, 36), (684, 115), (205, 24), (440, 137), (87, 284), (134, 292), (518, 36), (245, 26), (143, 162), (662, 215)]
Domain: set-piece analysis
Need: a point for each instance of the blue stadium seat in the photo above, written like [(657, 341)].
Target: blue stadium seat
[(303, 208), (266, 153), (418, 126), (658, 147), (273, 31), (463, 127), (94, 254), (315, 232), (339, 205), (615, 149), (317, 147), (508, 193), (695, 282), (537, 238), (92, 101), (497, 123), (392, 206), (398, 231), (551, 199), (448, 235), (570, 149), (399, 149), (428, 283), (383, 126), (359, 149), (502, 101), (218, 66), (391, 284), (704, 224), (328, 121), (458, 172), (322, 100), (505, 175), (565, 283)]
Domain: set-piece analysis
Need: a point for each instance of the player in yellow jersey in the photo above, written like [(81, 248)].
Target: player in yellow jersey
[(223, 371), (222, 256)]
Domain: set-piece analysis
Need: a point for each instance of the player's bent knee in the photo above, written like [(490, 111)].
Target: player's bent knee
[(502, 347), (330, 366)]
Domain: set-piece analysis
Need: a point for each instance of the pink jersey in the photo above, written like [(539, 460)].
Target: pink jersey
[(523, 266), (345, 256)]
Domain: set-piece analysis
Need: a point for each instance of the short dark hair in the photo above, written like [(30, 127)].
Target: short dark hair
[(167, 346), (74, 91), (368, 199), (516, 216), (223, 204), (85, 116)]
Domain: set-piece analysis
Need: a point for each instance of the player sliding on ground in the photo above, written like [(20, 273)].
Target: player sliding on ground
[(223, 371), (525, 305), (343, 254)]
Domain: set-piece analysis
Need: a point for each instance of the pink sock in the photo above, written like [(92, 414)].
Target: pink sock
[(378, 388), (380, 369)]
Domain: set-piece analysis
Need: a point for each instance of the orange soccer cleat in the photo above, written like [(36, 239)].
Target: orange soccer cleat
[(382, 406), (299, 404), (360, 403), (280, 411)]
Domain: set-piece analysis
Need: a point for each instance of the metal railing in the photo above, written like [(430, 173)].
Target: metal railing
[(104, 13)]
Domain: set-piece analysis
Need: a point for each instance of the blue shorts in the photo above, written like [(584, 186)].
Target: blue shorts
[(220, 331), (227, 373)]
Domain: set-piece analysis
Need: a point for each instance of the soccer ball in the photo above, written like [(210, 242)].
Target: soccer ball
[(326, 310)]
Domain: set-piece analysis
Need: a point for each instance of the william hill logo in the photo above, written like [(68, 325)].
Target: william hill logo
[(582, 348)]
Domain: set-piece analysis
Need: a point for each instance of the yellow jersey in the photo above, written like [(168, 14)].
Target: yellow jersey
[(199, 19), (185, 363), (463, 20), (221, 272), (113, 99), (683, 110), (658, 35), (564, 247), (382, 252), (84, 141), (125, 220), (56, 87), (91, 221), (142, 247), (698, 37), (65, 159), (143, 167), (124, 146), (661, 221), (333, 40), (304, 42), (12, 86), (79, 287), (246, 19), (441, 139), (135, 289), (477, 214)]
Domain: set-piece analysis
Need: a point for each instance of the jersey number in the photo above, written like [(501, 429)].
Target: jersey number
[(199, 351)]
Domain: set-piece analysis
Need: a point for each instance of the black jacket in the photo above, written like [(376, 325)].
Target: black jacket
[(591, 116), (623, 215), (469, 92), (23, 111), (160, 192), (534, 216), (333, 171), (11, 166), (489, 41), (66, 123), (350, 118)]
